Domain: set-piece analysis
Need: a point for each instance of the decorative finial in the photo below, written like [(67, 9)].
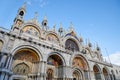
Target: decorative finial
[(45, 22), (60, 29), (24, 5), (71, 27), (60, 25), (89, 43), (64, 32), (97, 47), (45, 18), (80, 38), (35, 15), (54, 27)]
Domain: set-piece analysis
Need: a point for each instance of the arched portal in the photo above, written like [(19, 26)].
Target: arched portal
[(106, 74), (55, 67), (77, 75), (80, 63), (25, 62), (97, 72)]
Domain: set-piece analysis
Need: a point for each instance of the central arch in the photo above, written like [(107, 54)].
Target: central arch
[(80, 62)]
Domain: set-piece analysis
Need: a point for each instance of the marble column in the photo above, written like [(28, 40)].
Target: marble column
[(1, 56), (67, 69), (102, 76), (6, 77), (2, 76), (10, 62), (43, 70)]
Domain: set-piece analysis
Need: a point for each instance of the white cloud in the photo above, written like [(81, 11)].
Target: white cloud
[(43, 3), (29, 2), (40, 3), (114, 58)]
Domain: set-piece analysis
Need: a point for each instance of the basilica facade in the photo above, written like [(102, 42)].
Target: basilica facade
[(33, 51)]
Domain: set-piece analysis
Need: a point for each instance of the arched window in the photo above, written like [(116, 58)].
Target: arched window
[(71, 45), (1, 44)]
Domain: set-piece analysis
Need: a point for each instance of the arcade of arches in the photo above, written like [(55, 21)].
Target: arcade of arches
[(26, 61)]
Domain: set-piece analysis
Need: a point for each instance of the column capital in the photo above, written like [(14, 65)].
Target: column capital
[(43, 61)]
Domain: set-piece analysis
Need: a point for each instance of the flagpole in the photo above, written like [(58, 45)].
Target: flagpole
[(108, 55)]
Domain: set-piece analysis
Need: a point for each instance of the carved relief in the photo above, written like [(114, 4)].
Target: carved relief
[(21, 68), (49, 74)]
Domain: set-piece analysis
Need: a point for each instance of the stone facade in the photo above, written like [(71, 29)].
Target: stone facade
[(32, 51)]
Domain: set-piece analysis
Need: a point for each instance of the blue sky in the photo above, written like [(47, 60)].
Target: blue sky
[(98, 20)]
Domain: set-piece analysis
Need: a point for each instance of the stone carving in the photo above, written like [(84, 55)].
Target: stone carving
[(21, 68)]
